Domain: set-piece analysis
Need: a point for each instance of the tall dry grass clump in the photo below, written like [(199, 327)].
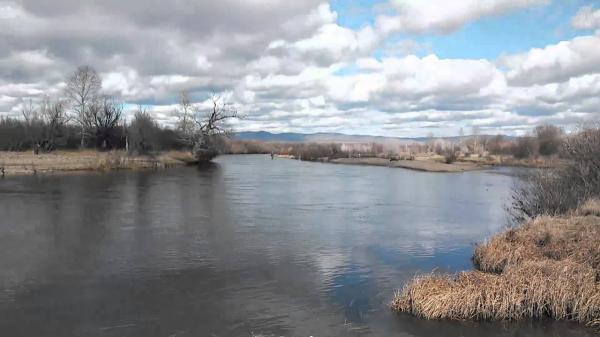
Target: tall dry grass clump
[(572, 237), (558, 289), (547, 267)]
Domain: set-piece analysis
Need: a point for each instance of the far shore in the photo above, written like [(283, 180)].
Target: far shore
[(28, 163), (432, 163), (427, 165)]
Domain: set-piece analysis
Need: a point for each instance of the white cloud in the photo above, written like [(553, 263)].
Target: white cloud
[(442, 16), (586, 18), (555, 63), (290, 66)]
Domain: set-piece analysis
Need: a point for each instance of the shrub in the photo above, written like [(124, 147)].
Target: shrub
[(556, 191), (449, 156), (549, 138), (525, 147), (142, 133)]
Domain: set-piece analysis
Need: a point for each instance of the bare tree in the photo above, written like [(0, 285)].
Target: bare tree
[(54, 118), (142, 132), (430, 142), (476, 130), (29, 112), (186, 124), (33, 128), (104, 117), (82, 89), (213, 122), (202, 129), (211, 126)]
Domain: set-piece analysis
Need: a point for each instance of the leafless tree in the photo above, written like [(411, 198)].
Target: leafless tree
[(476, 130), (142, 132), (83, 87), (186, 124), (54, 118), (214, 121), (29, 112), (201, 128), (211, 126), (104, 117)]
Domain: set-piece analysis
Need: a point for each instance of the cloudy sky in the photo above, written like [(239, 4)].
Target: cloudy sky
[(395, 68)]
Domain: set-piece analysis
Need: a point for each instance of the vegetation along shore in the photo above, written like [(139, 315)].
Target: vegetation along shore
[(28, 163), (546, 266)]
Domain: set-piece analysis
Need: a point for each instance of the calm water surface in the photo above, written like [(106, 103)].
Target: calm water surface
[(249, 245)]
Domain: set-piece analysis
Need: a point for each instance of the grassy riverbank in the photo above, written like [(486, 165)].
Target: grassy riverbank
[(26, 163), (547, 267)]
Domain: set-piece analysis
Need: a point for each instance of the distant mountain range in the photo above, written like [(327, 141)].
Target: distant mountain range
[(293, 137)]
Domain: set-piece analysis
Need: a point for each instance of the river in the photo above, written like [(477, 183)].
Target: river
[(247, 246)]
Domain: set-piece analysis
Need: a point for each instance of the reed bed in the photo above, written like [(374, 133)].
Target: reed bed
[(575, 237), (546, 268)]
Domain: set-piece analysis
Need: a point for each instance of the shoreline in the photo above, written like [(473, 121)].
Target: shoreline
[(547, 267), (434, 164), (27, 163), (427, 165), (423, 165)]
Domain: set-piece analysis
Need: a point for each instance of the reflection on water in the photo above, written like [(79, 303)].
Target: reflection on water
[(248, 245)]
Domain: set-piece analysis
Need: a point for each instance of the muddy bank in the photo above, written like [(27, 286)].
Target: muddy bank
[(25, 163)]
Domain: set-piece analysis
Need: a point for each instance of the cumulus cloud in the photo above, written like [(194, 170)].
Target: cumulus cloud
[(586, 18), (291, 66), (555, 63), (441, 16)]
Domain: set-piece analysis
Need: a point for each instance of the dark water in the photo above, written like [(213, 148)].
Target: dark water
[(248, 246)]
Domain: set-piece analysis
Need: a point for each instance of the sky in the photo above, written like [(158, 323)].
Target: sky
[(404, 68)]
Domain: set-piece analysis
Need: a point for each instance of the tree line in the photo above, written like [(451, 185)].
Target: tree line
[(85, 118)]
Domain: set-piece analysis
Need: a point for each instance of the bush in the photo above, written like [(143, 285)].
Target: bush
[(449, 156), (525, 147), (549, 138), (556, 191), (142, 133)]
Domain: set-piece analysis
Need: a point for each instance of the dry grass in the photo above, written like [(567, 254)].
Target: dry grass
[(591, 207), (18, 163), (548, 267), (574, 237), (562, 290)]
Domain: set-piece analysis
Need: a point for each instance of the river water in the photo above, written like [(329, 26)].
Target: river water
[(247, 246)]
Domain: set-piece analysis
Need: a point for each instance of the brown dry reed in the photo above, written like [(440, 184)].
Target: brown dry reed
[(546, 268)]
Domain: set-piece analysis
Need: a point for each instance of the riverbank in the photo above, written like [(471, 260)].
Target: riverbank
[(428, 165), (435, 163), (548, 267), (27, 163)]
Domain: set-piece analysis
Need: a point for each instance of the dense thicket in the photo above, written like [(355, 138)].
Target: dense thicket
[(559, 190)]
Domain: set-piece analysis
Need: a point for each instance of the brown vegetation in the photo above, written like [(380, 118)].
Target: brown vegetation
[(564, 188), (548, 267), (19, 163), (418, 164)]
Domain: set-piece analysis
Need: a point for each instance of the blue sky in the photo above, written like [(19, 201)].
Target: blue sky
[(490, 37), (402, 68)]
